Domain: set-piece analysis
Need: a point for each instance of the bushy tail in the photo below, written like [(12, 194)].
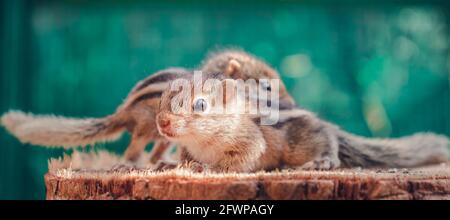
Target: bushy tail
[(410, 151), (54, 131)]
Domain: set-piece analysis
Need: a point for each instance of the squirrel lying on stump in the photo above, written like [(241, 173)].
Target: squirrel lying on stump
[(211, 145)]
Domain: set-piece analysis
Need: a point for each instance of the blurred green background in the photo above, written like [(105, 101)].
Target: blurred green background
[(376, 69)]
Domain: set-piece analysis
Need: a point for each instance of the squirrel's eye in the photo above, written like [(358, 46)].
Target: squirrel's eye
[(266, 85), (200, 105)]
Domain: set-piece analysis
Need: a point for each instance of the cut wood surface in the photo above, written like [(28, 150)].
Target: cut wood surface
[(89, 176)]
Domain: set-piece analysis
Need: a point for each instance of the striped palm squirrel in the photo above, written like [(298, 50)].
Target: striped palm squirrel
[(237, 142), (136, 114)]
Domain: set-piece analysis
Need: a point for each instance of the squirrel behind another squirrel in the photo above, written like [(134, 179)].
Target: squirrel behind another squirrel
[(238, 64), (136, 114), (238, 143)]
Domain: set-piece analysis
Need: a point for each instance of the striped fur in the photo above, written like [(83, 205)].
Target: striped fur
[(411, 151), (136, 114), (239, 143), (354, 151)]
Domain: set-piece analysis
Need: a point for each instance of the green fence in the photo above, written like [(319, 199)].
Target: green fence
[(375, 70)]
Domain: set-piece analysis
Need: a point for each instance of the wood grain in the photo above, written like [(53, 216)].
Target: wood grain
[(355, 184)]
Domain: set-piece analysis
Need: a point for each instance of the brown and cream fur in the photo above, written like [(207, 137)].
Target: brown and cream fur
[(238, 143), (238, 64), (136, 114)]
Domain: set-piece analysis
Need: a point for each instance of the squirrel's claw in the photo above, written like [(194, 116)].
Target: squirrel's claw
[(323, 163)]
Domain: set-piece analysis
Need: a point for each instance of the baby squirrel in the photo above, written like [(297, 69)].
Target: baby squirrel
[(238, 143), (237, 64), (136, 114)]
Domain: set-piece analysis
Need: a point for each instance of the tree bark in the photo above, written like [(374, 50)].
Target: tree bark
[(424, 183)]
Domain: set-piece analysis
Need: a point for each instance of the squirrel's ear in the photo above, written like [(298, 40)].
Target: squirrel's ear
[(233, 68)]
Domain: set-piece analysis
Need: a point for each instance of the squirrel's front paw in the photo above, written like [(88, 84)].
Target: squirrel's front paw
[(323, 163)]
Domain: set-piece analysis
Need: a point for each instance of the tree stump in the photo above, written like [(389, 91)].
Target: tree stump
[(89, 176)]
